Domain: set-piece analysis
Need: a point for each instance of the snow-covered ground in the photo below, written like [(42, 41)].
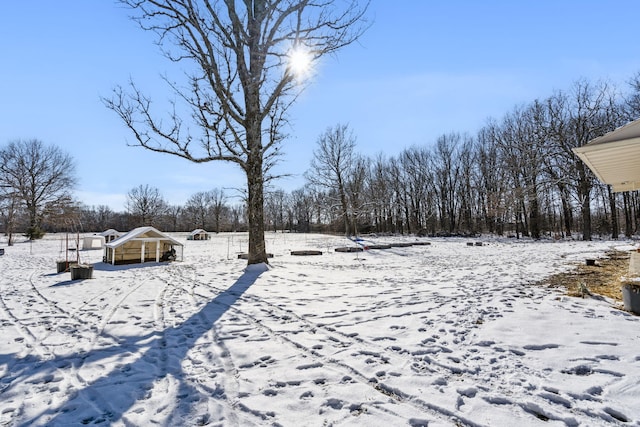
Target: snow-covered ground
[(440, 335)]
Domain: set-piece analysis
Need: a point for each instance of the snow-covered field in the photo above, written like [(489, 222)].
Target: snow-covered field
[(439, 335)]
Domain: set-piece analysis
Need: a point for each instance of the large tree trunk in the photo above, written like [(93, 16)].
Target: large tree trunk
[(524, 216), (255, 202), (344, 206), (567, 215), (534, 213), (34, 222), (628, 218), (584, 192)]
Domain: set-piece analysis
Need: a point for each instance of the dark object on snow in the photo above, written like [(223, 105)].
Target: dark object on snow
[(401, 245), (591, 261), (478, 243), (81, 271), (169, 255), (306, 252), (64, 266), (631, 297), (349, 249), (367, 247), (246, 256)]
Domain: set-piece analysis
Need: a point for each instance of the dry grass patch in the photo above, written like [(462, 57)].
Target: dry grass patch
[(603, 278)]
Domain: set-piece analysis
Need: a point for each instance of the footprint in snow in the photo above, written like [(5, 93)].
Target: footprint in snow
[(309, 366)]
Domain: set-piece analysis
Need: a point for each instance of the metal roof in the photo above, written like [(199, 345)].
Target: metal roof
[(142, 233), (615, 157)]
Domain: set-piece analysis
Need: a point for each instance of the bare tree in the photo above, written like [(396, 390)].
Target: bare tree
[(331, 165), (302, 201), (492, 179), (245, 57), (171, 217), (446, 173), (9, 204), (206, 209), (381, 193), (631, 106), (465, 188), (145, 204), (197, 209), (521, 144), (217, 202), (275, 208), (576, 117), (38, 175), (356, 186), (412, 162)]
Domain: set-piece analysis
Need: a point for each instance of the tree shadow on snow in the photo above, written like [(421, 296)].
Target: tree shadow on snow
[(159, 356)]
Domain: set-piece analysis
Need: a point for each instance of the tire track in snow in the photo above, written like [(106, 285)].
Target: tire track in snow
[(56, 320), (211, 363), (346, 340), (49, 377), (58, 373), (428, 362)]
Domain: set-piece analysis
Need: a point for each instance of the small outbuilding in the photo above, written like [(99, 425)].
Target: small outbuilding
[(110, 235), (143, 244), (95, 241), (199, 234)]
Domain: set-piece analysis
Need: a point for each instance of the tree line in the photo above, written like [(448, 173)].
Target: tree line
[(516, 176)]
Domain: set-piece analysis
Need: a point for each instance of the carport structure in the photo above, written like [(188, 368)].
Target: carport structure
[(615, 157), (140, 245)]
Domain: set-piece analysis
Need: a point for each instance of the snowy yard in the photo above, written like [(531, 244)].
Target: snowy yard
[(440, 335)]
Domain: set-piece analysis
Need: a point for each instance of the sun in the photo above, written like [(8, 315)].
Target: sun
[(299, 62)]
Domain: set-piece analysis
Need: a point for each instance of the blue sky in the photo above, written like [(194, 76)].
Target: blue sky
[(423, 69)]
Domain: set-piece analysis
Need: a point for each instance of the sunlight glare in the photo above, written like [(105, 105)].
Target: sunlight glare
[(299, 62)]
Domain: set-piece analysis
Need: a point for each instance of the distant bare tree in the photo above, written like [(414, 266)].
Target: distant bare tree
[(38, 176), (238, 217), (380, 192), (275, 208), (171, 218), (9, 204), (446, 173), (356, 185), (465, 186), (521, 143), (244, 58), (418, 175), (302, 209), (96, 218), (492, 179), (145, 204), (331, 165), (197, 210), (576, 117), (205, 209), (632, 101), (217, 201)]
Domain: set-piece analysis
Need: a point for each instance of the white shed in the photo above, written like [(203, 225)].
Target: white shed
[(198, 234), (95, 241), (110, 235), (142, 244)]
